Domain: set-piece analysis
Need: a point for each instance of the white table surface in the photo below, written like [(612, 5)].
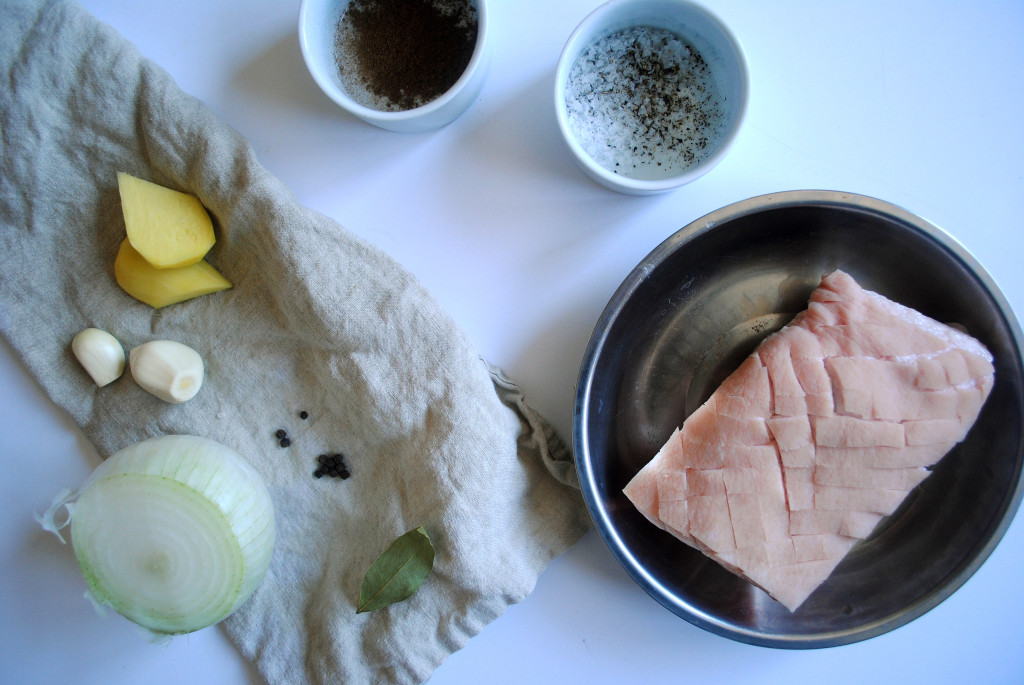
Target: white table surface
[(917, 103)]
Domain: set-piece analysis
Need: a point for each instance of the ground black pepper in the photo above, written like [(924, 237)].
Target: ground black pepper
[(395, 55)]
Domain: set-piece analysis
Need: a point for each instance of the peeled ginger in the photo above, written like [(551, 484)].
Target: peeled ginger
[(170, 229), (161, 287)]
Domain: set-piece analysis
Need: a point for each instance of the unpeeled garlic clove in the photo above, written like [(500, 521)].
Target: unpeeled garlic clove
[(100, 354), (168, 369)]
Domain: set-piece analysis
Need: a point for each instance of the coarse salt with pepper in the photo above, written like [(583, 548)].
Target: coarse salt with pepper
[(643, 103)]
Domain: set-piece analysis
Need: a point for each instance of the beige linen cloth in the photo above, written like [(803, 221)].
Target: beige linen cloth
[(318, 321)]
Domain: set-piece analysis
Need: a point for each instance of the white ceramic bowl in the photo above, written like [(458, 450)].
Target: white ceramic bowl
[(695, 25), (318, 21)]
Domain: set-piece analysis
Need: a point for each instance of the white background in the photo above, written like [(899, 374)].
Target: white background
[(917, 103)]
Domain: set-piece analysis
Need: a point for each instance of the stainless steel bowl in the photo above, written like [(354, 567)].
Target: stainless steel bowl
[(688, 315)]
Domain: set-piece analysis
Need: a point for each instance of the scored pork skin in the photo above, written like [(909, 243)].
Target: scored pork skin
[(819, 434)]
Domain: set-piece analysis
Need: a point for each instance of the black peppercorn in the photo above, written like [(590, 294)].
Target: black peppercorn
[(281, 432), (285, 442), (332, 465), (303, 415)]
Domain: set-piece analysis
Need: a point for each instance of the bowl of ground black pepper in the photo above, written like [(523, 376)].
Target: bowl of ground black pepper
[(403, 65), (650, 94)]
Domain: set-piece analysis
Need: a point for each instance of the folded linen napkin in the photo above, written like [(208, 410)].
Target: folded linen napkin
[(318, 321)]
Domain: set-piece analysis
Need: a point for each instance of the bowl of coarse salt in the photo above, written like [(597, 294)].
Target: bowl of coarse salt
[(650, 94)]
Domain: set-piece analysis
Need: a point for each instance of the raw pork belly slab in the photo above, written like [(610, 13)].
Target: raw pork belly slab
[(816, 437)]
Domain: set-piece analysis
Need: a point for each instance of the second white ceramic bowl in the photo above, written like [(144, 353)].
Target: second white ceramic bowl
[(694, 24)]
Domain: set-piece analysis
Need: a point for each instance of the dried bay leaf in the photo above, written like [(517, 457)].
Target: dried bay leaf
[(398, 572)]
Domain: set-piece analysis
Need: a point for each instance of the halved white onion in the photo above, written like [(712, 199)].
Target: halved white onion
[(173, 532)]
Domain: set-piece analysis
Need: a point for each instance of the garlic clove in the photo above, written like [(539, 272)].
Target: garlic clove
[(100, 354), (168, 369)]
